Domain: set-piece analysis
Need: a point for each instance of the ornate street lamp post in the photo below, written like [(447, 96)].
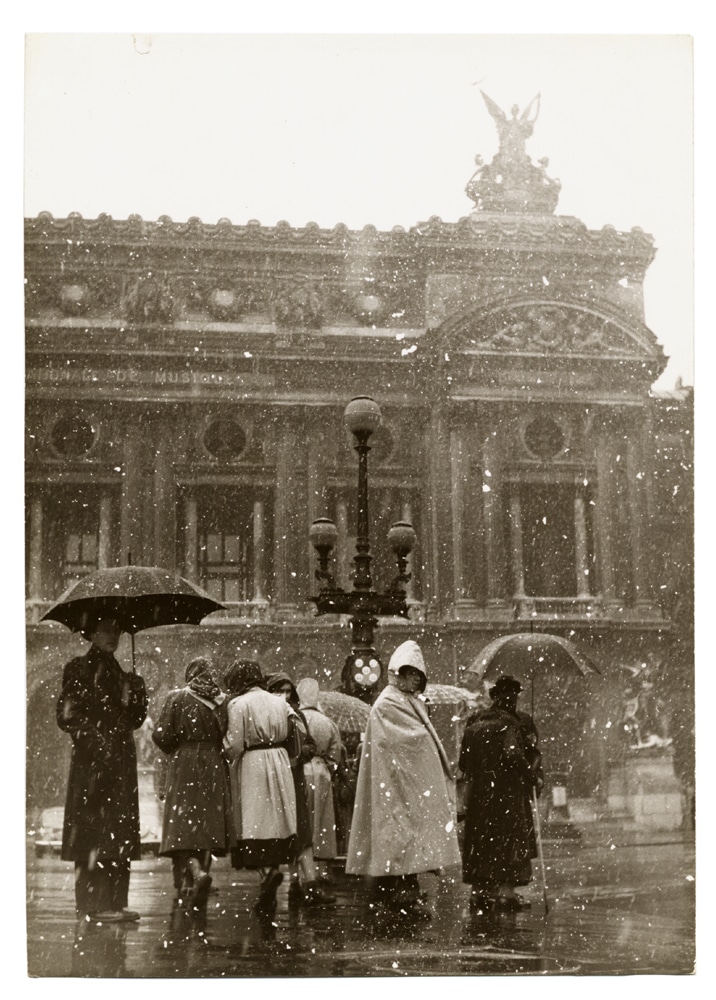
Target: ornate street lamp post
[(362, 417)]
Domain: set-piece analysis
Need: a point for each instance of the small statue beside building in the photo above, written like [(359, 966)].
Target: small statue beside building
[(644, 720)]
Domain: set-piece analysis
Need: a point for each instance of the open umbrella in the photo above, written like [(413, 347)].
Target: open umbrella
[(524, 654), (138, 597), (447, 694), (349, 714)]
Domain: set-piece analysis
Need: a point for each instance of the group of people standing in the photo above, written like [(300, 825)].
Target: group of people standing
[(406, 816), (249, 776), (250, 773)]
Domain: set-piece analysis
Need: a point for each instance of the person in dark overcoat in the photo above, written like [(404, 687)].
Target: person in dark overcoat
[(501, 763), (100, 705), (197, 809)]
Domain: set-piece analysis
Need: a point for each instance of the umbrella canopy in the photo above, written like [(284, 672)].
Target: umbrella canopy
[(447, 694), (524, 654), (349, 714), (138, 597)]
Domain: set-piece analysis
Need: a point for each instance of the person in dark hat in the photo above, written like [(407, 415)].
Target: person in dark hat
[(263, 734), (501, 764), (100, 705)]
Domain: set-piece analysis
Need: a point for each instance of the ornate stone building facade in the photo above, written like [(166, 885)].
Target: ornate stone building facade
[(185, 390)]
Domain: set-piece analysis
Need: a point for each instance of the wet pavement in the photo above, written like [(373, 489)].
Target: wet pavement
[(617, 905)]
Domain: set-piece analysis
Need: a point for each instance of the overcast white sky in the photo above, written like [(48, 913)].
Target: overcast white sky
[(366, 128)]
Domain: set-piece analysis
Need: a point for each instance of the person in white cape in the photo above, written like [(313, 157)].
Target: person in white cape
[(404, 819)]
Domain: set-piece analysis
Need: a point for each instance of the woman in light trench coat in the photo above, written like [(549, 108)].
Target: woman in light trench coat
[(263, 734)]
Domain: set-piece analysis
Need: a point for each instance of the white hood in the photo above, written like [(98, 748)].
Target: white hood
[(307, 690), (407, 654)]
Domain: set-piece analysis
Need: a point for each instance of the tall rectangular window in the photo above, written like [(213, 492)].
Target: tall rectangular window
[(229, 541), (557, 547), (70, 532)]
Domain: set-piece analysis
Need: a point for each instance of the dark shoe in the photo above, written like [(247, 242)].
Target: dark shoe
[(479, 903), (130, 915), (295, 894), (106, 917), (268, 889), (314, 895), (200, 892)]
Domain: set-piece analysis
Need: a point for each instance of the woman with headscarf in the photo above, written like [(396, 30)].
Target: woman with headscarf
[(319, 771), (262, 735), (303, 886), (197, 810), (404, 822)]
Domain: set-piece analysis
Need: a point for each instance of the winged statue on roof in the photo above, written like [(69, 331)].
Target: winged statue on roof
[(514, 131)]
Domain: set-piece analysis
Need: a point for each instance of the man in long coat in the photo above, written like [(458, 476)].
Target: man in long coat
[(403, 822), (99, 706), (501, 763)]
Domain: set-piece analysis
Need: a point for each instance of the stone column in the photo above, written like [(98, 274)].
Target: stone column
[(191, 539), (259, 568), (637, 516), (438, 587), (35, 585), (342, 555), (604, 520), (104, 551), (518, 569), (164, 513), (457, 481), (289, 540), (581, 553), (492, 513), (316, 494), (134, 490)]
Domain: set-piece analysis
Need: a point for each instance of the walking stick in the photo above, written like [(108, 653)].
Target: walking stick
[(538, 831)]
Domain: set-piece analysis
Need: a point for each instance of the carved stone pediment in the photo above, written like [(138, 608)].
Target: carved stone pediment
[(550, 328)]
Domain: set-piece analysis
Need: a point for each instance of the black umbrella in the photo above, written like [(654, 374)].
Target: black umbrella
[(524, 654), (138, 597)]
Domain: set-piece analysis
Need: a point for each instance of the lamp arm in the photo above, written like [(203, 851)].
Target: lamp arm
[(402, 579)]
